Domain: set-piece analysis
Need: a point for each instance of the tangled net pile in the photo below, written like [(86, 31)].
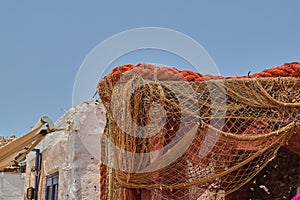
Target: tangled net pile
[(183, 135)]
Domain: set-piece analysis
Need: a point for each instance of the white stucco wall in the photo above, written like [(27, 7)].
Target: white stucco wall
[(74, 153), (11, 186)]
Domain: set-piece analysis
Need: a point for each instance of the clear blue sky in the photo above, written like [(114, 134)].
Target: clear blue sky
[(42, 44)]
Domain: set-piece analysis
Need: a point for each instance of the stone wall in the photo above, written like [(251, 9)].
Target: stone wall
[(279, 180), (11, 186)]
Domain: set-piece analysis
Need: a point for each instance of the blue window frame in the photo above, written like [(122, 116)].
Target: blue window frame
[(52, 187)]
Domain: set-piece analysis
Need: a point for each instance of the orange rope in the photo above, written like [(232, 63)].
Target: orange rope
[(286, 70), (102, 181), (166, 73)]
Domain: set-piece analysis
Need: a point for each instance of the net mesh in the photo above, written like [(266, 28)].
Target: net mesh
[(174, 134)]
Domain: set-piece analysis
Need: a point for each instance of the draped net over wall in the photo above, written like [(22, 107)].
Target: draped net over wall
[(219, 131)]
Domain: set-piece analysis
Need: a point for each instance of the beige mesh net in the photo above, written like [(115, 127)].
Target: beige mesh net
[(177, 139)]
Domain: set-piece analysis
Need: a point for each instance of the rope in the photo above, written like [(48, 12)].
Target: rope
[(164, 73), (102, 181)]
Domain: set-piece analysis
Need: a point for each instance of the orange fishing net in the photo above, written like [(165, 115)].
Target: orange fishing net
[(178, 134)]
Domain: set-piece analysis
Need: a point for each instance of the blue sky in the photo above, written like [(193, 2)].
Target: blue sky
[(42, 44)]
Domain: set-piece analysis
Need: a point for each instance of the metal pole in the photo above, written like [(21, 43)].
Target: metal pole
[(37, 171)]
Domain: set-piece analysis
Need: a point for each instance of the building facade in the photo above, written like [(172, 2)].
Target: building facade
[(69, 159)]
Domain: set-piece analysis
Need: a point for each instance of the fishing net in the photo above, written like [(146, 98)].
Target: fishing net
[(177, 134)]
